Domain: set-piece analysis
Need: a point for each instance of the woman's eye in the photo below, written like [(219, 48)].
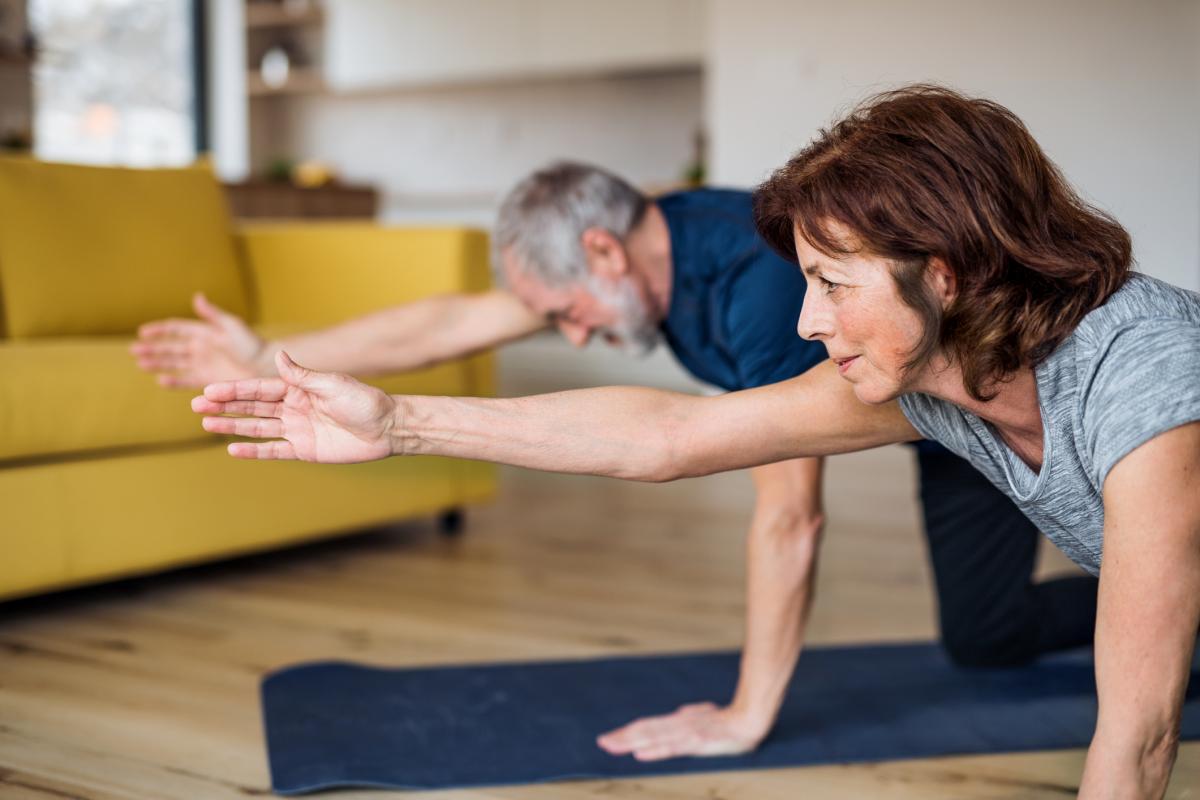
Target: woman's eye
[(828, 286)]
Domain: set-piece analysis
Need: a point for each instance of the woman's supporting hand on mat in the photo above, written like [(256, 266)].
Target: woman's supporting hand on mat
[(697, 729), (192, 352), (308, 415)]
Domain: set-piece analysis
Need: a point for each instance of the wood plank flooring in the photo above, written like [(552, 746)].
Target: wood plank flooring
[(148, 688)]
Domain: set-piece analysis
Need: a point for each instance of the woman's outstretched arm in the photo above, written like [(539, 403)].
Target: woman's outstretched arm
[(622, 432)]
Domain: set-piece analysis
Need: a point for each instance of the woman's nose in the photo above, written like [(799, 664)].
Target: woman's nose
[(813, 323)]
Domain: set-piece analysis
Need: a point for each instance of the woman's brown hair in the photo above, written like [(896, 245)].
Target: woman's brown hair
[(925, 172)]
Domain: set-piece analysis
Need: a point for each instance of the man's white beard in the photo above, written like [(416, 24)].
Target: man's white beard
[(635, 327)]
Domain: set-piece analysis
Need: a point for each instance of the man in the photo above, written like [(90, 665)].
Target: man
[(583, 251)]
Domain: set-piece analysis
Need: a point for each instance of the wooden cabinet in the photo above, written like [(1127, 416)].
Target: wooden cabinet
[(278, 200)]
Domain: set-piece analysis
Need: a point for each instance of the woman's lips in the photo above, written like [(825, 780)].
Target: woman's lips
[(843, 364)]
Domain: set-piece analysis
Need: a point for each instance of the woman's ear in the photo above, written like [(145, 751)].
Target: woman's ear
[(942, 279), (604, 253)]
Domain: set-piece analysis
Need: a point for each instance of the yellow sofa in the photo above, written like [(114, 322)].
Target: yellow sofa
[(102, 473)]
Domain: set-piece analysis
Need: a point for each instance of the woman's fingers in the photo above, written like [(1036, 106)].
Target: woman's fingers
[(249, 408), (252, 408), (264, 451), (268, 389), (639, 733), (244, 426), (696, 729)]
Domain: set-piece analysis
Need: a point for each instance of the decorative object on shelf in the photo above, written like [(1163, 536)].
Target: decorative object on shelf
[(310, 174), (275, 66), (279, 169), (284, 47)]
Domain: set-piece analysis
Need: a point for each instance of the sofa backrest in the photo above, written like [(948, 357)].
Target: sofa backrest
[(100, 250)]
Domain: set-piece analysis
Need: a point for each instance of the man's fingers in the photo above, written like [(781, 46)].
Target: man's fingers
[(268, 389), (165, 328), (164, 362), (265, 451), (244, 426), (206, 309), (168, 380), (161, 348)]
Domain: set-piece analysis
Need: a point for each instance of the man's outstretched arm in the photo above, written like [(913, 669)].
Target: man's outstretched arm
[(220, 346)]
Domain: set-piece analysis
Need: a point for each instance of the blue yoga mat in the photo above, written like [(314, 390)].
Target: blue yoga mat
[(340, 725)]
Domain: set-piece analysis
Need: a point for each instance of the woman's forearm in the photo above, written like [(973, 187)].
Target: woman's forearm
[(1147, 615), (411, 336), (781, 559), (649, 434), (621, 432)]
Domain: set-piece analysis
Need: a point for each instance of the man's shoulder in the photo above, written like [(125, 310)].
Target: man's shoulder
[(708, 198)]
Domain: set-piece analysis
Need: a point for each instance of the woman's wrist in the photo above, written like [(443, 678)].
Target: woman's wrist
[(397, 426), (753, 721), (1124, 766)]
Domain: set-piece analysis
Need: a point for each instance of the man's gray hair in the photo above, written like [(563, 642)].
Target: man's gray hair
[(543, 217)]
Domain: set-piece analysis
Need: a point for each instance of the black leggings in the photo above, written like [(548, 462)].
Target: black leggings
[(983, 549)]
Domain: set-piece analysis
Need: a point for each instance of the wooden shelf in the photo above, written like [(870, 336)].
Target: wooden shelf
[(275, 15), (302, 80), (260, 199)]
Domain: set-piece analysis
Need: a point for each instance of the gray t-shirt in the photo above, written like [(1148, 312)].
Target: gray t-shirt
[(1129, 371)]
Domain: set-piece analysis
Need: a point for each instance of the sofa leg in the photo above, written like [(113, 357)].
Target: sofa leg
[(451, 522)]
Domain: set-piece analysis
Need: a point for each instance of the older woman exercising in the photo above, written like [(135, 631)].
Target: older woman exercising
[(966, 294)]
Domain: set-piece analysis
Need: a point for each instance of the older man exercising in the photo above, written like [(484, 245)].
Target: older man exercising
[(583, 251)]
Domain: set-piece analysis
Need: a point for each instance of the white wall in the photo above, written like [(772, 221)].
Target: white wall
[(1110, 88), (447, 154), (388, 43)]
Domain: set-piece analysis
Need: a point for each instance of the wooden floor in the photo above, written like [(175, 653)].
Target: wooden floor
[(148, 689)]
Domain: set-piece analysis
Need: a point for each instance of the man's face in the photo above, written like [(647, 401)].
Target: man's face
[(615, 310)]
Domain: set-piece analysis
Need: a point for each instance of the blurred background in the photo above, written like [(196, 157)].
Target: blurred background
[(425, 111)]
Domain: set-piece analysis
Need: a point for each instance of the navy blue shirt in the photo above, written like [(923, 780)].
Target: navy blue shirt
[(734, 301)]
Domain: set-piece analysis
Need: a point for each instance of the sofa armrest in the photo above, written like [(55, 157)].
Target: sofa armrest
[(310, 274)]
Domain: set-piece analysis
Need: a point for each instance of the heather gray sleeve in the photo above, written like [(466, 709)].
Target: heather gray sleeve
[(1144, 382), (938, 421)]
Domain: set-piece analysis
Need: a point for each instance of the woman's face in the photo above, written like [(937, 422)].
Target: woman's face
[(852, 306)]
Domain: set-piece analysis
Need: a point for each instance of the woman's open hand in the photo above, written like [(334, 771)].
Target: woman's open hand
[(697, 729), (307, 415)]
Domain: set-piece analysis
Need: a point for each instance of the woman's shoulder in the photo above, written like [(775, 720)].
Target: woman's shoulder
[(1144, 303)]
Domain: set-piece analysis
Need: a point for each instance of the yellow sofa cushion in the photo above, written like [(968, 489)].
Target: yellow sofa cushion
[(98, 250), (75, 396)]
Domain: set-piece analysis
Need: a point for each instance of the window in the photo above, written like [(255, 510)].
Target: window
[(115, 81)]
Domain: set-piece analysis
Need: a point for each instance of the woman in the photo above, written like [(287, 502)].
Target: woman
[(966, 294)]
